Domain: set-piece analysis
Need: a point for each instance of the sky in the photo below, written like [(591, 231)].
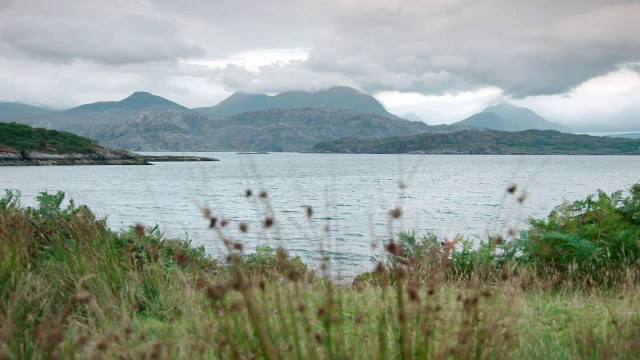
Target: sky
[(576, 62)]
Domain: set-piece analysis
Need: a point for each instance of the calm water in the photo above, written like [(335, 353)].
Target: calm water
[(351, 196)]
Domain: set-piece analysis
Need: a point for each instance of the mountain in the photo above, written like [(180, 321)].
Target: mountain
[(13, 108), (506, 117), (259, 130), (487, 142), (138, 101), (80, 118), (335, 97)]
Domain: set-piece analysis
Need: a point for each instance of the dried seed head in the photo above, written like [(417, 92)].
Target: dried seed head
[(309, 211), (302, 307), (103, 345), (212, 221), (396, 213), (182, 258), (81, 341), (394, 249), (402, 185), (263, 194), (319, 338), (206, 212), (512, 188), (262, 284), (139, 230), (244, 227), (486, 293), (248, 193), (224, 222), (380, 267), (216, 292), (512, 232), (294, 275), (268, 222), (320, 312), (497, 239), (237, 246), (56, 336), (522, 197), (413, 291), (400, 273), (359, 318)]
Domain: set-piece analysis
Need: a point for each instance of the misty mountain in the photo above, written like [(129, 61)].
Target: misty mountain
[(79, 119), (138, 101), (506, 117), (13, 108), (259, 130), (335, 97)]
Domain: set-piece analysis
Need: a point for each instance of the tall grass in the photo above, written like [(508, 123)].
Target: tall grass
[(72, 288)]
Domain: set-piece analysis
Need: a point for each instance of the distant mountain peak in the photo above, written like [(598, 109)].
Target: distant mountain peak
[(509, 117), (337, 97), (138, 101)]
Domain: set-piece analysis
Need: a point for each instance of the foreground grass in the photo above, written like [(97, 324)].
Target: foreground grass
[(71, 288)]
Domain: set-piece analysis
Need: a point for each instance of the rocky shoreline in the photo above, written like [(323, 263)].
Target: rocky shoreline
[(100, 157)]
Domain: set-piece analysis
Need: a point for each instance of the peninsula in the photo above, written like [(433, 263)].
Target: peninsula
[(24, 145)]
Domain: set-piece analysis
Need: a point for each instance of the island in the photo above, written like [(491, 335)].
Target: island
[(24, 145)]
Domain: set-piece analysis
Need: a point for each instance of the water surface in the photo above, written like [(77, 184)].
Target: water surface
[(351, 196)]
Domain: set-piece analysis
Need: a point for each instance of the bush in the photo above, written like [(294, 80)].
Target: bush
[(588, 237)]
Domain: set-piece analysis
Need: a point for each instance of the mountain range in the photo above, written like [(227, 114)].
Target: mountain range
[(290, 121)]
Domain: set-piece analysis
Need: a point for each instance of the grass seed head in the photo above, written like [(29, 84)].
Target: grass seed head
[(81, 297), (243, 227), (309, 212), (268, 222), (396, 213), (263, 194), (511, 189), (248, 193)]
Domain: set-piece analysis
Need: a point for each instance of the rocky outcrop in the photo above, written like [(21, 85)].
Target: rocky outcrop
[(101, 157)]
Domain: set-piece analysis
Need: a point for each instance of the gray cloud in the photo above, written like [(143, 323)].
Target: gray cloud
[(66, 52), (114, 41), (526, 48)]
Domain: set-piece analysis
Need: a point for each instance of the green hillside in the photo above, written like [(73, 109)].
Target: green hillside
[(19, 137)]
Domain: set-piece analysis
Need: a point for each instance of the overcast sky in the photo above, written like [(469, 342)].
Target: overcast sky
[(572, 61)]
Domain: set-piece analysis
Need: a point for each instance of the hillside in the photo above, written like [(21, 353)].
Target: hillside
[(260, 130), (13, 108), (506, 117), (627, 135), (335, 98), (490, 142)]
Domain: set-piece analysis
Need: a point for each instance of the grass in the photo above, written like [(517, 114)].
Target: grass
[(72, 288)]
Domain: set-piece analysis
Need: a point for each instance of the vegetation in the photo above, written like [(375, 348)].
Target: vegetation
[(529, 142), (24, 138), (72, 288)]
